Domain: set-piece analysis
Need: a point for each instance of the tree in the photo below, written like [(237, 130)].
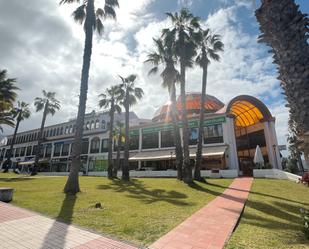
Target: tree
[(50, 105), (285, 29), (208, 47), (120, 137), (184, 25), (92, 19), (7, 98), (21, 112), (129, 94), (110, 99), (164, 56)]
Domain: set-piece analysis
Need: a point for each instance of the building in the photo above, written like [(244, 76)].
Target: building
[(231, 134)]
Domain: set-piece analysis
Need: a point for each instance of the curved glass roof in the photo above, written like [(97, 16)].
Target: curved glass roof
[(248, 111)]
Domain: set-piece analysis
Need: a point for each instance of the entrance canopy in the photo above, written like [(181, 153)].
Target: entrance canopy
[(248, 111), (157, 155)]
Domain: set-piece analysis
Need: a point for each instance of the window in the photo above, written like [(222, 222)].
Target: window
[(22, 151), (167, 139), (150, 140), (48, 150), (88, 126), (65, 150), (74, 128), (104, 147), (193, 136), (71, 129), (97, 124), (95, 145), (61, 131), (7, 152), (66, 131), (92, 125), (213, 134), (103, 124), (57, 149), (42, 149), (134, 142), (17, 152), (34, 150), (28, 151), (85, 146)]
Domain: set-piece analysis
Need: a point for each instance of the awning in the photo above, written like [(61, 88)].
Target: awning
[(211, 151), (26, 163)]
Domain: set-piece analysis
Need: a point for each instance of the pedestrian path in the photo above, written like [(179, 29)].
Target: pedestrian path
[(211, 226), (22, 229)]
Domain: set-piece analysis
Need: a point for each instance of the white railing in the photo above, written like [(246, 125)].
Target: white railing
[(275, 174)]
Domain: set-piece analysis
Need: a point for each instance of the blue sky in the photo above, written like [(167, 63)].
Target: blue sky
[(43, 47)]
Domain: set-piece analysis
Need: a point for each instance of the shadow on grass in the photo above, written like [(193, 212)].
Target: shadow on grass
[(56, 236), (16, 179), (137, 190)]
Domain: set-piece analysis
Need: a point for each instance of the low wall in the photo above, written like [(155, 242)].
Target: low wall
[(275, 173), (154, 174)]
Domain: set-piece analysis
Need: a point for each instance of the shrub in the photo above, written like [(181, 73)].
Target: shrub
[(305, 218)]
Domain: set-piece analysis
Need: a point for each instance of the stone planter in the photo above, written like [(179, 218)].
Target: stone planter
[(6, 194)]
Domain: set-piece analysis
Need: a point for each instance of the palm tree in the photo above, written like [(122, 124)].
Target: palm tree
[(50, 105), (120, 137), (130, 94), (110, 99), (184, 25), (208, 47), (285, 29), (21, 112), (165, 56), (92, 19), (7, 98)]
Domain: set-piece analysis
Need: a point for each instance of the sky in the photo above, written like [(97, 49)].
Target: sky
[(42, 47)]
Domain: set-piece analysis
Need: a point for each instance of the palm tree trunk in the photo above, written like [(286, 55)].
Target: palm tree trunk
[(125, 168), (72, 184), (117, 166), (177, 138), (110, 142), (197, 168), (40, 140), (187, 170), (8, 160)]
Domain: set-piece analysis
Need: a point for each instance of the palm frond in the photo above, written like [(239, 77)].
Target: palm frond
[(79, 15)]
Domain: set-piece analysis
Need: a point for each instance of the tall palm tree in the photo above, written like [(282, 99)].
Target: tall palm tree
[(7, 98), (92, 19), (184, 25), (130, 94), (285, 29), (50, 105), (21, 112), (110, 99), (165, 56), (208, 47), (120, 137)]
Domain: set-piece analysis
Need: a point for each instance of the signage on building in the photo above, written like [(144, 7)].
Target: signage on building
[(167, 127)]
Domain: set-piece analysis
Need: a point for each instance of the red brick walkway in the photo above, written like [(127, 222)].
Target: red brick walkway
[(211, 226), (22, 229)]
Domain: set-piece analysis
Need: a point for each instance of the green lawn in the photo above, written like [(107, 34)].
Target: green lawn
[(271, 217), (140, 211)]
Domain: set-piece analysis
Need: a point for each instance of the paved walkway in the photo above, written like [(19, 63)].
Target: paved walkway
[(22, 229), (211, 226)]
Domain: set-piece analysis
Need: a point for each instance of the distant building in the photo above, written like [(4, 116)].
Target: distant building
[(231, 134)]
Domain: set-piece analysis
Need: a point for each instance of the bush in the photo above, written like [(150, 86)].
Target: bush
[(291, 166), (305, 217)]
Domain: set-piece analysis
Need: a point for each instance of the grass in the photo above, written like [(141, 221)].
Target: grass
[(271, 218), (141, 210)]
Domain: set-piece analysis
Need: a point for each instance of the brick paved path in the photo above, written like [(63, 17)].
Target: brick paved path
[(211, 226), (22, 229)]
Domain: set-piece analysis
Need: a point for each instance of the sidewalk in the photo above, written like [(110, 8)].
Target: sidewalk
[(22, 229), (211, 226)]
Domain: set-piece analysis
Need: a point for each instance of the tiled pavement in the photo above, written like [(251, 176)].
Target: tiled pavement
[(208, 228), (211, 226), (22, 229)]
